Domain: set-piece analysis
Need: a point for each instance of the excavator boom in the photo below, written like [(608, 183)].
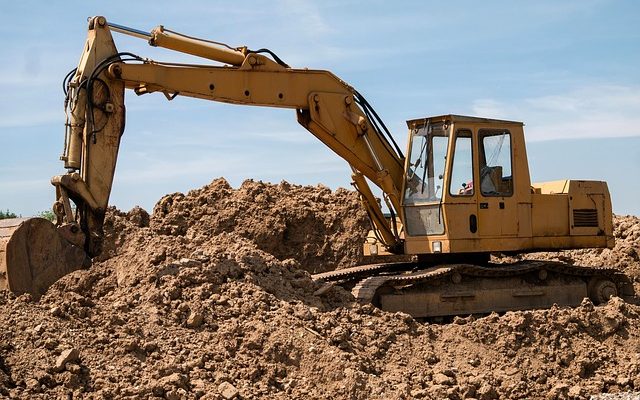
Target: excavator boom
[(324, 104)]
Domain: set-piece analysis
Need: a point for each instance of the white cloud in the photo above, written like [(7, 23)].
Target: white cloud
[(587, 112), (304, 14)]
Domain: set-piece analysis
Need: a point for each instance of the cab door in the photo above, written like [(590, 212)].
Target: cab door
[(462, 203), (497, 205)]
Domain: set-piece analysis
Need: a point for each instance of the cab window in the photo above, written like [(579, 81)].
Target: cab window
[(427, 160), (461, 183), (495, 163)]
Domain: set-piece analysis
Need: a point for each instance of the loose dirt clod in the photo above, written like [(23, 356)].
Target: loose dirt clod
[(210, 297), (67, 356)]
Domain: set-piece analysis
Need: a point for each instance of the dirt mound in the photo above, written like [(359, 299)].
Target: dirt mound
[(201, 300), (320, 229)]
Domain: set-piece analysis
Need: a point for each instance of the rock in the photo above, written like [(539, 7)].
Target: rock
[(150, 347), (452, 394), (227, 390), (55, 311), (32, 384), (576, 391), (38, 329), (130, 345), (560, 390), (432, 359), (174, 380), (586, 305), (418, 393), (622, 381), (542, 378), (442, 379), (449, 372), (487, 392), (67, 356), (324, 288), (195, 319), (139, 217), (468, 392)]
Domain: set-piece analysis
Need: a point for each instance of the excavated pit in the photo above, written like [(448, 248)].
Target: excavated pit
[(210, 297)]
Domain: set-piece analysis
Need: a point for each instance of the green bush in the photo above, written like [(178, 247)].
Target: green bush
[(7, 214), (48, 214)]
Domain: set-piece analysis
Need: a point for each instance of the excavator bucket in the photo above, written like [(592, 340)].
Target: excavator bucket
[(33, 255)]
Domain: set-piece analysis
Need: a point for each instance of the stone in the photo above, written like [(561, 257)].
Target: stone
[(452, 394), (173, 380), (32, 384), (150, 347), (561, 389), (50, 344), (486, 392), (227, 390), (468, 392), (576, 391), (432, 359), (67, 356), (622, 381), (195, 319), (38, 329), (442, 379)]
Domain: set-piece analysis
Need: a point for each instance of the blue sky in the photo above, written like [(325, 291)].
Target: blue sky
[(568, 69)]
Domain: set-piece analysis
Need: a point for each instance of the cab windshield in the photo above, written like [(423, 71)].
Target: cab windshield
[(427, 160)]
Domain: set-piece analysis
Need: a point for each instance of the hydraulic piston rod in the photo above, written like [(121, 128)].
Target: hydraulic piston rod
[(168, 39), (130, 31)]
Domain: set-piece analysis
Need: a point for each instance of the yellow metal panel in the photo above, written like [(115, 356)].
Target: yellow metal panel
[(458, 220), (524, 220), (550, 214)]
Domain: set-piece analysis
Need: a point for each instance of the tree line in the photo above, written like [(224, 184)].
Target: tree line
[(44, 214)]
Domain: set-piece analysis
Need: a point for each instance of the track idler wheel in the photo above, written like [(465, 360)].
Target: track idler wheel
[(600, 290), (33, 255)]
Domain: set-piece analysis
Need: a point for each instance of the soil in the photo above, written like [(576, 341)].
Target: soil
[(210, 297)]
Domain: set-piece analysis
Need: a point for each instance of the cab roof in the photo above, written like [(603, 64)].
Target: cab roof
[(414, 123)]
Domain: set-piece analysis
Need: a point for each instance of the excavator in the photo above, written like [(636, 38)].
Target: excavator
[(462, 193)]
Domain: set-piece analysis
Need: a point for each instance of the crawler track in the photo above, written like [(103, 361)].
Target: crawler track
[(455, 289)]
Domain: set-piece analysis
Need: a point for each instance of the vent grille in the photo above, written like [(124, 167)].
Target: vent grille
[(585, 218)]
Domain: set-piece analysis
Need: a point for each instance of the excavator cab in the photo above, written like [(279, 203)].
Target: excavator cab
[(467, 192), (466, 180)]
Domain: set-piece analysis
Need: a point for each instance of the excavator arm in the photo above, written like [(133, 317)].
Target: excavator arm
[(324, 104)]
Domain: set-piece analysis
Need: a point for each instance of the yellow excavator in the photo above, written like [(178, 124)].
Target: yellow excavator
[(462, 193)]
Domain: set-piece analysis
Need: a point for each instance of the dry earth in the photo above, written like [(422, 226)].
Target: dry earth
[(210, 297)]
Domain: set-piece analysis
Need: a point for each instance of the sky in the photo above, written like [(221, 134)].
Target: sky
[(568, 69)]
